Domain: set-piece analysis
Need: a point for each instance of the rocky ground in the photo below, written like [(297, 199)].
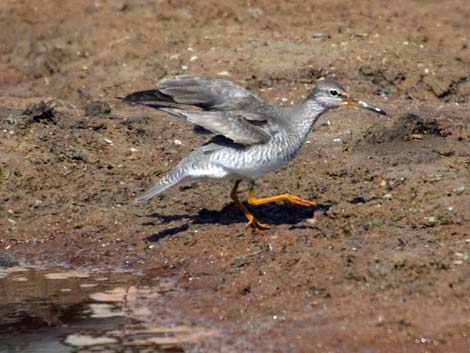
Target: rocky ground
[(380, 265)]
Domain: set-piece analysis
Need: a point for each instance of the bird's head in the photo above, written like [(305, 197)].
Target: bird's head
[(330, 94)]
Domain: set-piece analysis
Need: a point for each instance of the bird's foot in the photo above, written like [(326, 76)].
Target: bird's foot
[(257, 226), (295, 200), (288, 198)]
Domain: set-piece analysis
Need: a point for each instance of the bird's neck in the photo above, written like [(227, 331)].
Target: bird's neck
[(305, 114)]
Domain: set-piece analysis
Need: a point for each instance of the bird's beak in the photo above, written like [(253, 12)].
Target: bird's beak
[(364, 105)]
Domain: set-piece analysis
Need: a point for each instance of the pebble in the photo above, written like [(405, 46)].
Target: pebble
[(430, 221), (459, 190), (311, 220), (178, 142), (387, 196)]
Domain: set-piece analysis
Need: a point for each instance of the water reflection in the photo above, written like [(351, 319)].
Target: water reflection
[(59, 310)]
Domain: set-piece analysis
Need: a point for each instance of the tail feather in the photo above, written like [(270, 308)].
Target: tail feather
[(174, 177)]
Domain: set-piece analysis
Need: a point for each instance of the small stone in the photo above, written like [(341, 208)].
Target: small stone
[(415, 137), (178, 142), (387, 196), (430, 221), (41, 112), (459, 190), (38, 203), (311, 220)]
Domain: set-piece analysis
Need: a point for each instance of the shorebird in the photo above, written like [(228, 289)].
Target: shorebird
[(252, 137)]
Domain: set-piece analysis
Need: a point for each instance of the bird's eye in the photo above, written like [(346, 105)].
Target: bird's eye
[(333, 92)]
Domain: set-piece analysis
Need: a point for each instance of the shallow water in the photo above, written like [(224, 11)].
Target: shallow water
[(61, 310), (40, 309)]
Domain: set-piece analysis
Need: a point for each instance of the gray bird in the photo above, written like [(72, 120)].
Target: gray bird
[(252, 137)]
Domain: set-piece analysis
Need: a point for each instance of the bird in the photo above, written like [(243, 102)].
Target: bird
[(250, 136)]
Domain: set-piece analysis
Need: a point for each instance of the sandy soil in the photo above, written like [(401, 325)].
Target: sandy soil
[(381, 265)]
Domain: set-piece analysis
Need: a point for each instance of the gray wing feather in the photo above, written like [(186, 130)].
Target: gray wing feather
[(229, 110), (208, 93), (234, 125)]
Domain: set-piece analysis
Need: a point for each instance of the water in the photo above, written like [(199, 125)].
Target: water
[(59, 310)]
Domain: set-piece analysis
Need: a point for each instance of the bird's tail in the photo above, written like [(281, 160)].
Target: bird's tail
[(170, 179)]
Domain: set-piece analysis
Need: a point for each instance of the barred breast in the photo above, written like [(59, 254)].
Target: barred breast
[(256, 161)]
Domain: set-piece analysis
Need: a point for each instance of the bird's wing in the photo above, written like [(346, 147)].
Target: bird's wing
[(204, 92), (239, 126)]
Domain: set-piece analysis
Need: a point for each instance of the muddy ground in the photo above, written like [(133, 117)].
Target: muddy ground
[(380, 265)]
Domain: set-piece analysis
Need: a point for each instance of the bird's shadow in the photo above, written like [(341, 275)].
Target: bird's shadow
[(274, 214)]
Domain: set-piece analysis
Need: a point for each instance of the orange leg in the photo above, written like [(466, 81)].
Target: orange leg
[(252, 221), (252, 200)]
